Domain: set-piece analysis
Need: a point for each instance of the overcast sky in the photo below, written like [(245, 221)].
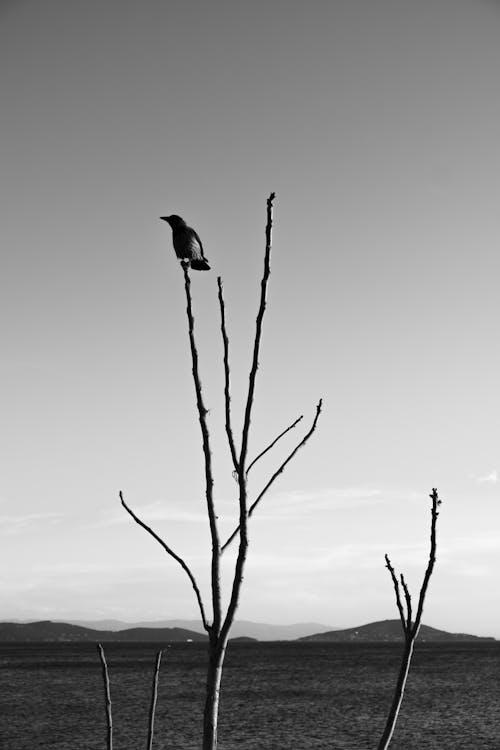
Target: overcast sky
[(376, 122)]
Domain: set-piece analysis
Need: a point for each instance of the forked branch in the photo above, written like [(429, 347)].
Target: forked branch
[(397, 592), (277, 473), (410, 629)]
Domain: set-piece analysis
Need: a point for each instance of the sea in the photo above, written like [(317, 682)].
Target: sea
[(274, 696)]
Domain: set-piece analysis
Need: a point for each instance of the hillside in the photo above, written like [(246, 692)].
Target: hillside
[(388, 631), (261, 631), (60, 631)]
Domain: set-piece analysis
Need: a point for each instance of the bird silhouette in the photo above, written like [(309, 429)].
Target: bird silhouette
[(187, 244)]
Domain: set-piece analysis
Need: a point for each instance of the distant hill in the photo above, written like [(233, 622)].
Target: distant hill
[(243, 639), (260, 631), (61, 631), (382, 631), (169, 630), (388, 631)]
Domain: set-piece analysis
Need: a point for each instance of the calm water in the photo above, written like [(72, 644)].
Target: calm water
[(275, 696)]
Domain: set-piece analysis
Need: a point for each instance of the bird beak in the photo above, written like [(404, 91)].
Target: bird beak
[(164, 218)]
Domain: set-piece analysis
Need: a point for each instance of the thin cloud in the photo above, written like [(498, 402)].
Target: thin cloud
[(474, 570), (491, 478), (463, 544), (16, 524), (355, 556), (298, 502)]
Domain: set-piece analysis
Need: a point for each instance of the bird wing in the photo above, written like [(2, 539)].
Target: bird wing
[(185, 243), (196, 237)]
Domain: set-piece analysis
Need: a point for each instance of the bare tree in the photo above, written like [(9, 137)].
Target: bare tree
[(222, 618), (410, 627)]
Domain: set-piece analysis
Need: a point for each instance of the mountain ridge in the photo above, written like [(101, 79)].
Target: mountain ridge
[(388, 631), (382, 631), (49, 631), (241, 628)]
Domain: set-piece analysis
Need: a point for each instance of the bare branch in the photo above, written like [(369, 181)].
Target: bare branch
[(227, 391), (289, 458), (262, 453), (107, 697), (209, 482), (176, 557), (277, 473), (154, 695), (408, 604), (241, 473), (258, 333), (432, 559), (396, 590)]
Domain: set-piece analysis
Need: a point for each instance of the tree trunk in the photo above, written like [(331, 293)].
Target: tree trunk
[(216, 654), (398, 696)]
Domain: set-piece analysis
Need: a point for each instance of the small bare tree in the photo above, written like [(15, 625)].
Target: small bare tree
[(219, 625), (410, 626), (107, 698)]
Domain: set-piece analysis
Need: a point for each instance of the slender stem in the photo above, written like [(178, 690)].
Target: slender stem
[(227, 380), (240, 560), (176, 557), (432, 559), (408, 604), (258, 333), (154, 696), (107, 697), (209, 482), (276, 474), (262, 453)]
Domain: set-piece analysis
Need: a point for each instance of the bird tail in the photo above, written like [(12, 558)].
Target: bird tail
[(200, 264)]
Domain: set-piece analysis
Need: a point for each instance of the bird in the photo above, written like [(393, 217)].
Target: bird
[(187, 244)]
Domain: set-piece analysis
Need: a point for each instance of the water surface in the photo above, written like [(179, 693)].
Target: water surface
[(275, 696)]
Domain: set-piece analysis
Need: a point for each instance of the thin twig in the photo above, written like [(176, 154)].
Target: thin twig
[(396, 591), (107, 698), (209, 482), (262, 453), (176, 557), (227, 380), (408, 604), (154, 695), (277, 473)]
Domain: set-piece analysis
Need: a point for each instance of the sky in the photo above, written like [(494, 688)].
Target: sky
[(376, 122)]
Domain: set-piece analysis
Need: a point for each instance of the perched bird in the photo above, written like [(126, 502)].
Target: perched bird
[(187, 244)]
